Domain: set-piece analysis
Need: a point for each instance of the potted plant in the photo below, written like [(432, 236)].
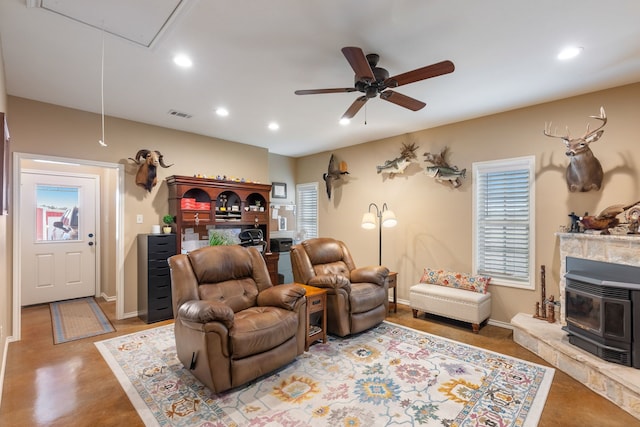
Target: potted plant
[(168, 220), (222, 237)]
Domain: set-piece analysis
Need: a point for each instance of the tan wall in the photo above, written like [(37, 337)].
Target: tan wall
[(48, 129), (5, 244), (435, 221)]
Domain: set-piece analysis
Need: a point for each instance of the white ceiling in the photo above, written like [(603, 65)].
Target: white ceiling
[(250, 57)]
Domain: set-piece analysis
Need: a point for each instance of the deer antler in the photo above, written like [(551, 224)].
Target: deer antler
[(602, 117), (588, 134), (547, 132)]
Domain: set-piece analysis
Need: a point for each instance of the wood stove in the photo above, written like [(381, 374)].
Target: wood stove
[(602, 303)]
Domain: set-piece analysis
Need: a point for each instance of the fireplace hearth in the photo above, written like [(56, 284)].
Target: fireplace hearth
[(602, 306), (618, 383)]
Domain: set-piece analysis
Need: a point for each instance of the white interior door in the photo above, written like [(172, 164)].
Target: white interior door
[(57, 236)]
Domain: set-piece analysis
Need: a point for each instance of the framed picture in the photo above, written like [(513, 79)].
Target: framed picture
[(279, 190), (282, 223)]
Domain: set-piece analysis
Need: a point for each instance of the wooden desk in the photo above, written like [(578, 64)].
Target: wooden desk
[(316, 302), (392, 282)]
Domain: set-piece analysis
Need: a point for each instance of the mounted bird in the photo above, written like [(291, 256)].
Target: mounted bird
[(334, 173), (606, 219)]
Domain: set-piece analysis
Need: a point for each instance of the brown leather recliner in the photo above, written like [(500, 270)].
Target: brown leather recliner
[(357, 298), (231, 324)]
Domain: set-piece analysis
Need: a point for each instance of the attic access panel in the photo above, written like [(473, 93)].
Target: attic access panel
[(139, 21)]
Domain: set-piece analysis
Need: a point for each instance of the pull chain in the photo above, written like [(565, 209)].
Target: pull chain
[(102, 141)]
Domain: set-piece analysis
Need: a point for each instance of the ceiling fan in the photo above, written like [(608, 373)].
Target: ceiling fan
[(373, 80)]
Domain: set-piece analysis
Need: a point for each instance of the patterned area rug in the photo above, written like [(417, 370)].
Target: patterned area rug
[(78, 318), (388, 376)]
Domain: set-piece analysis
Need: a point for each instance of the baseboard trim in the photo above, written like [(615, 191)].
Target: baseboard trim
[(130, 315), (500, 324), (107, 297), (4, 365)]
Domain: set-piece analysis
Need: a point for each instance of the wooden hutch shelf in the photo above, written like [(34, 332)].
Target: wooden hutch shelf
[(202, 203)]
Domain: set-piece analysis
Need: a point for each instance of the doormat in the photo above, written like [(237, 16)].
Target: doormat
[(76, 319), (387, 376)]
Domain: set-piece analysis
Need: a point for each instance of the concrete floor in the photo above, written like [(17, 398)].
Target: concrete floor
[(71, 385)]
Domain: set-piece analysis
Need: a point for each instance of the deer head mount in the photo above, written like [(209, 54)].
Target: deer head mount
[(584, 172)]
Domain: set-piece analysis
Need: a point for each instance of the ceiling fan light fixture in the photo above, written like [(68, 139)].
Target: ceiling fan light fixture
[(344, 121)]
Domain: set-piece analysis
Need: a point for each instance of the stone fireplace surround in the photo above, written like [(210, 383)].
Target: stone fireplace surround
[(620, 384)]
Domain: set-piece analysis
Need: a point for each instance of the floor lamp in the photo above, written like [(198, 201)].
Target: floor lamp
[(385, 218)]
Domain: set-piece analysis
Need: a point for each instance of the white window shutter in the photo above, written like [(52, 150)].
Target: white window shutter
[(504, 221), (307, 214)]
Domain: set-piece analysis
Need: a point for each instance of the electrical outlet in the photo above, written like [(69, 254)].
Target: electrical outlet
[(139, 219)]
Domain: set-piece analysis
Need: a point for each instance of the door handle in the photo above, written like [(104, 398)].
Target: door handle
[(90, 243)]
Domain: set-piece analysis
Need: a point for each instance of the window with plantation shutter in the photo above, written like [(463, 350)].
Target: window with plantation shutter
[(307, 214), (504, 233)]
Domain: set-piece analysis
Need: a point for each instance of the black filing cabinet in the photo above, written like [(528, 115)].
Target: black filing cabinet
[(154, 280)]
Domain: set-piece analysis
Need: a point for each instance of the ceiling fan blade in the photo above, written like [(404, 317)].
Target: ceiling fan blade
[(434, 70), (316, 91), (402, 100), (359, 63), (355, 107)]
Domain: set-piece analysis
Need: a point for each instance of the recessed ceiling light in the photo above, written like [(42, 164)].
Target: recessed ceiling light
[(222, 112), (344, 121), (274, 126), (183, 61), (569, 52)]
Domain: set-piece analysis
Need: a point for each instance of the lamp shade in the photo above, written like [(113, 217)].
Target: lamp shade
[(368, 221), (389, 219)]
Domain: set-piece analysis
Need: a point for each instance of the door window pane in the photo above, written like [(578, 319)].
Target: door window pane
[(56, 212)]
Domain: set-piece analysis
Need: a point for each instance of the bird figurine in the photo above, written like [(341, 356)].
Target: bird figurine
[(334, 173), (606, 219)]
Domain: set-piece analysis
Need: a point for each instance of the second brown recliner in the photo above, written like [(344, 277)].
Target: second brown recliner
[(357, 298)]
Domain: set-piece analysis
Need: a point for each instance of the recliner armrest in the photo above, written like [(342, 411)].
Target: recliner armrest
[(206, 311), (283, 296), (372, 274), (331, 281)]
